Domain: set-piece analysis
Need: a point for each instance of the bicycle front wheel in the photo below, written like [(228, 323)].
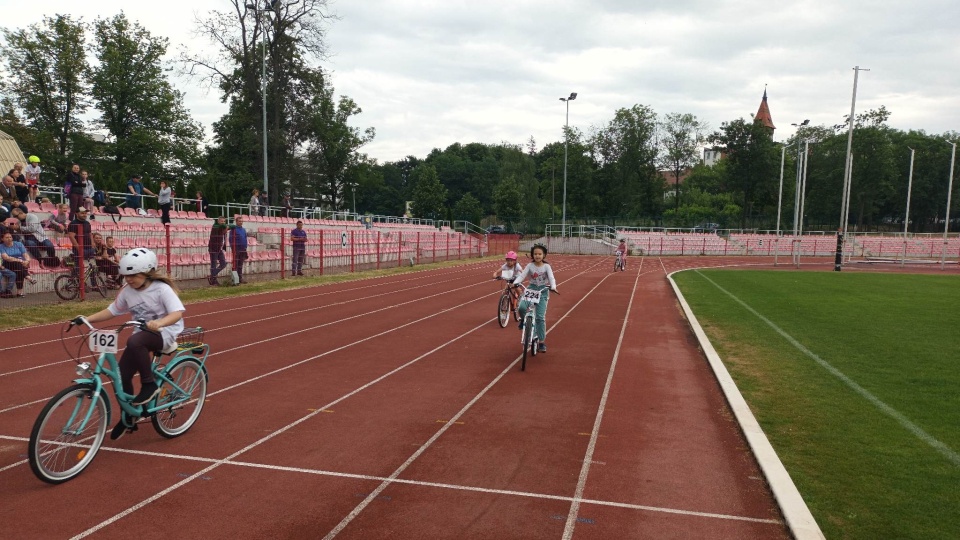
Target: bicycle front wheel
[(503, 310), (67, 434), (527, 341), (66, 286), (179, 405)]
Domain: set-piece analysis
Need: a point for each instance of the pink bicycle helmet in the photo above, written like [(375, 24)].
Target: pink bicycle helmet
[(511, 256)]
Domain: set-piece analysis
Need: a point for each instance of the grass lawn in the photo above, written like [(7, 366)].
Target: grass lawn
[(875, 456)]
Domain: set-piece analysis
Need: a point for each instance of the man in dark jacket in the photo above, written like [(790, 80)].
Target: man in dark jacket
[(217, 247), (238, 245)]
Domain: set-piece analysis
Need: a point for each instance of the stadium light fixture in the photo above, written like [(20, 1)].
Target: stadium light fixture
[(566, 126)]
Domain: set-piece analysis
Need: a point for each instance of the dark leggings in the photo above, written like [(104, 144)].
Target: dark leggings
[(137, 357)]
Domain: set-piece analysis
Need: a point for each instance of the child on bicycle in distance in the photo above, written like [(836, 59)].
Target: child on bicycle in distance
[(510, 269), (541, 278), (622, 251), (152, 297)]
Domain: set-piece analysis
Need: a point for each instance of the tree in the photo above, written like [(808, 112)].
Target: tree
[(333, 144), (753, 164), (429, 195), (682, 136), (294, 38), (625, 149), (468, 209), (151, 131), (507, 198), (50, 66)]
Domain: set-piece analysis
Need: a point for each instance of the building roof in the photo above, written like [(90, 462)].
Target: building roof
[(763, 113), (9, 153)]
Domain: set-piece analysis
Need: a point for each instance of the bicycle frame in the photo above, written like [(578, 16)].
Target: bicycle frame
[(112, 371)]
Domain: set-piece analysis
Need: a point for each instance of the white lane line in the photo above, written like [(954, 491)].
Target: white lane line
[(416, 483), (226, 460), (588, 458), (268, 437), (219, 328), (904, 422), (423, 448)]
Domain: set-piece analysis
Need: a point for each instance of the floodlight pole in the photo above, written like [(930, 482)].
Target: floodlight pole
[(776, 240), (803, 195), (848, 166), (906, 219), (566, 127), (796, 204), (263, 92), (946, 218)]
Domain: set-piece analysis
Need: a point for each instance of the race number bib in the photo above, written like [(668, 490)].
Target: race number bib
[(104, 341), (531, 296)]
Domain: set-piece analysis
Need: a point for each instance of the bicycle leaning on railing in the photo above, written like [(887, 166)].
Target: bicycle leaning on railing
[(67, 286), (71, 427)]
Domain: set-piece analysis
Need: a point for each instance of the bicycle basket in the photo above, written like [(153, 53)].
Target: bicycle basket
[(190, 338)]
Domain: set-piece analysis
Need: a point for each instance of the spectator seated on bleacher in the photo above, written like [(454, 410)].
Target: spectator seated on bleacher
[(35, 239), (60, 221)]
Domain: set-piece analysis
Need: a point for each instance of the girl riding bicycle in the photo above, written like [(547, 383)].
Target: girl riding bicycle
[(540, 274), (151, 297), (510, 269), (622, 253)]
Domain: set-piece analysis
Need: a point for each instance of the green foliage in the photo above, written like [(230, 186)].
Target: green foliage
[(507, 198), (48, 63), (151, 132), (468, 208), (752, 166), (429, 195)]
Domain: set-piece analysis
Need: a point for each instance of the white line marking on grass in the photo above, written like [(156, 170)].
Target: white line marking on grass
[(905, 422), (588, 458)]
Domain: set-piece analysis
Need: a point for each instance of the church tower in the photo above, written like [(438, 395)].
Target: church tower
[(763, 114)]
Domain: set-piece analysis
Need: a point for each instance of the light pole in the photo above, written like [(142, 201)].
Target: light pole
[(906, 219), (848, 166), (566, 127), (946, 218), (797, 189), (263, 87)]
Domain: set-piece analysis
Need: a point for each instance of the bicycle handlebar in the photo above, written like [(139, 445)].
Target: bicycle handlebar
[(81, 320)]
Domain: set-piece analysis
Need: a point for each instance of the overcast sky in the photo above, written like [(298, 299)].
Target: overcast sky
[(433, 72)]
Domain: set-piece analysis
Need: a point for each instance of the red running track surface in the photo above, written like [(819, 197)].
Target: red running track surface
[(394, 407)]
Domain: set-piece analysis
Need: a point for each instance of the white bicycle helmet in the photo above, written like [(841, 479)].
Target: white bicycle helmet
[(138, 261)]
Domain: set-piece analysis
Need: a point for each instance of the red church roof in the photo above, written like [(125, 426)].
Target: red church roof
[(763, 113)]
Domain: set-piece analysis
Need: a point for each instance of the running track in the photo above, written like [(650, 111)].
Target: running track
[(394, 407)]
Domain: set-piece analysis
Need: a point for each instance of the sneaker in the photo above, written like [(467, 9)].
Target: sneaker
[(542, 347), (120, 430), (147, 392)]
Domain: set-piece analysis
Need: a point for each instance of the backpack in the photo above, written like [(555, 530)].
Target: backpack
[(99, 197)]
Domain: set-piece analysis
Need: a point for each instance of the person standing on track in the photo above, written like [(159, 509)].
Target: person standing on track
[(541, 278), (152, 297), (216, 247)]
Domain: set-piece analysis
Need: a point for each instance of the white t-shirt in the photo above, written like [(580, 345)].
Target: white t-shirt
[(150, 303), (540, 277), (509, 273), (32, 173)]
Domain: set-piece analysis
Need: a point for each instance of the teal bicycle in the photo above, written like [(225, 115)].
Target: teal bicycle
[(71, 427)]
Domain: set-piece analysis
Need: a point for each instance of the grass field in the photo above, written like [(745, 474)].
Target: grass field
[(867, 418)]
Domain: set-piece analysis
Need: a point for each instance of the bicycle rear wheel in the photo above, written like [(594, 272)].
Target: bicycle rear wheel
[(63, 441), (66, 286), (99, 284), (180, 405), (503, 310)]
